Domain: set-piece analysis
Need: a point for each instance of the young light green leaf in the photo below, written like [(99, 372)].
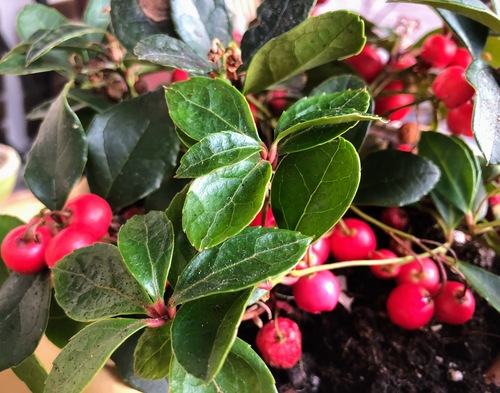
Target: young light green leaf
[(316, 41), (35, 17), (202, 348), (217, 151), (484, 282), (153, 353), (395, 178), (312, 190), (132, 169), (93, 283), (202, 106), (7, 223), (146, 243), (484, 78), (62, 138), (170, 52), (249, 258), (87, 352), (32, 372), (97, 14), (219, 205), (199, 22), (16, 65), (24, 310)]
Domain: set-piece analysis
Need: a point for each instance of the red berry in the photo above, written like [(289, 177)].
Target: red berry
[(459, 120), (179, 76), (426, 275), (386, 104), (438, 50), (494, 200), (368, 63), (410, 306), (384, 271), (405, 147), (404, 61), (453, 306), (395, 217), (91, 211), (66, 241), (318, 254), (278, 101), (270, 220), (462, 58), (321, 2), (317, 292), (280, 343), (355, 243), (23, 248), (254, 111), (451, 87)]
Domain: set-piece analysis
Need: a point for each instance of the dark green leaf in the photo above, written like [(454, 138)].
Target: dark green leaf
[(216, 151), (153, 353), (312, 190), (161, 198), (146, 243), (203, 106), (484, 282), (485, 122), (185, 140), (16, 65), (219, 205), (395, 178), (450, 214), (97, 14), (249, 258), (93, 283), (274, 18), (36, 17), (201, 348), (199, 22), (131, 149), (58, 155), (171, 52), (90, 99), (24, 310), (7, 223), (87, 353), (316, 41), (32, 373)]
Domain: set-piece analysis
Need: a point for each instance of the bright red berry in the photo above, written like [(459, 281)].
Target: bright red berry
[(278, 101), (405, 147), (388, 105), (453, 305), (368, 63), (438, 50), (459, 120), (318, 254), (91, 211), (280, 343), (384, 271), (66, 241), (352, 241), (395, 217), (462, 58), (494, 200), (270, 220), (425, 274), (317, 292), (451, 87), (410, 306), (179, 76)]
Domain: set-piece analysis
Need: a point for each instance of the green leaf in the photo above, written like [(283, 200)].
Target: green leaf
[(312, 190), (493, 48), (146, 243), (202, 106), (24, 310), (217, 151), (484, 282), (35, 17), (274, 19), (58, 155), (199, 22), (450, 214), (316, 41), (97, 14), (32, 372), (219, 205), (16, 64), (485, 79), (153, 353), (170, 52), (87, 352), (395, 178), (93, 283), (473, 9), (132, 147), (249, 258), (201, 348), (96, 102), (183, 382), (7, 223)]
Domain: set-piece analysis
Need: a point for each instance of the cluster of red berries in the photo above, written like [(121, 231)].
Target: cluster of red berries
[(46, 239)]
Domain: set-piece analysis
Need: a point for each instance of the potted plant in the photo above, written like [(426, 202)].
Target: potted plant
[(176, 243)]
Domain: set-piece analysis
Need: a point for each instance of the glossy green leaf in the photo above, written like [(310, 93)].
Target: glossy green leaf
[(90, 99), (146, 243), (153, 353), (473, 9), (395, 178), (97, 14), (249, 258), (485, 122), (170, 52), (16, 65), (7, 223), (316, 41), (203, 106), (93, 283), (274, 18), (484, 282), (87, 352), (36, 17), (201, 348), (183, 382), (217, 151), (24, 310), (449, 213), (493, 48), (132, 147), (199, 22), (219, 205), (62, 138), (32, 372), (312, 190)]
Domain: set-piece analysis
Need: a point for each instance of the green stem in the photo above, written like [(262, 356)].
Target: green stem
[(487, 225), (381, 225)]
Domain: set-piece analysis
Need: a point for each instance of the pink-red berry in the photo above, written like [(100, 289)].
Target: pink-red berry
[(438, 50), (425, 273), (459, 119), (410, 306), (384, 271), (66, 241), (368, 63), (454, 305), (388, 105), (179, 76), (352, 241), (451, 87), (318, 254), (317, 292), (462, 58), (90, 211), (395, 217)]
